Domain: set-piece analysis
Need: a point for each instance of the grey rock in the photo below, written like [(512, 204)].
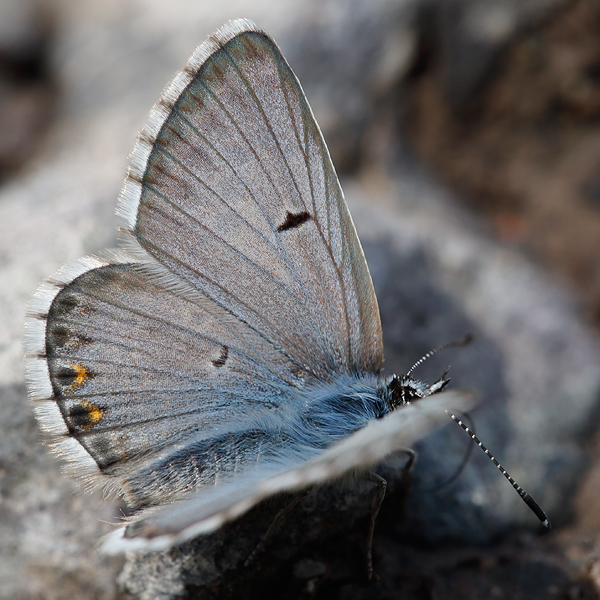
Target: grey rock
[(467, 39), (26, 89), (534, 364)]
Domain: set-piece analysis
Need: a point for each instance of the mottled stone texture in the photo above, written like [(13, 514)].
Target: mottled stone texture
[(438, 270)]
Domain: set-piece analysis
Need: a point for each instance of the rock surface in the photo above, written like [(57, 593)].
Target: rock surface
[(438, 273)]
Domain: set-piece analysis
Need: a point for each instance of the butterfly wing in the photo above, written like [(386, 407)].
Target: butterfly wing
[(202, 513), (122, 370), (233, 191), (260, 287)]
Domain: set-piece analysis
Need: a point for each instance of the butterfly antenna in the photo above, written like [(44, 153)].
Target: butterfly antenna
[(533, 505), (467, 339)]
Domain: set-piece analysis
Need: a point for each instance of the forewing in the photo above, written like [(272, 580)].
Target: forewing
[(232, 189), (259, 286), (209, 509), (122, 370)]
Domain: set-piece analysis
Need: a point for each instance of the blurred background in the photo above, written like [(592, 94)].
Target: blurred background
[(466, 134)]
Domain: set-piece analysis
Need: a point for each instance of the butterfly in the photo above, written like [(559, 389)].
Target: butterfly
[(232, 349)]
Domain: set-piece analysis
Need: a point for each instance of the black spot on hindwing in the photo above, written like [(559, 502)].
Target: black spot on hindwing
[(220, 362), (64, 303), (84, 415)]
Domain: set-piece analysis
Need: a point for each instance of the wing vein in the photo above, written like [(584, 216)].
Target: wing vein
[(237, 299), (251, 356)]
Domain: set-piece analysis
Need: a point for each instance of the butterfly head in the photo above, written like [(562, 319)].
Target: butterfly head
[(398, 391), (401, 390)]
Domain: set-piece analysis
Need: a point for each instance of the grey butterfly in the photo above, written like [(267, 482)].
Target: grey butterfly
[(232, 350)]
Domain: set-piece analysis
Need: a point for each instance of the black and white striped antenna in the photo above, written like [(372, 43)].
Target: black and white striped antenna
[(464, 341), (531, 503)]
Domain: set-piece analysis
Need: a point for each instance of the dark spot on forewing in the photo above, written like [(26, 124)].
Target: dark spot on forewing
[(220, 362), (293, 220)]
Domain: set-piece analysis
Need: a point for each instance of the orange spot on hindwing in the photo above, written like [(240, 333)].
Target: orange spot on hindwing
[(85, 415)]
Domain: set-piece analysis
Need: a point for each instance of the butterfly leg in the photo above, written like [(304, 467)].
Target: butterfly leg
[(381, 488), (278, 517), (381, 484), (406, 476)]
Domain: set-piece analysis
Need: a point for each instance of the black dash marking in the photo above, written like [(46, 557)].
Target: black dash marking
[(219, 362), (85, 415), (58, 335), (66, 376), (294, 220), (63, 304), (79, 416)]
